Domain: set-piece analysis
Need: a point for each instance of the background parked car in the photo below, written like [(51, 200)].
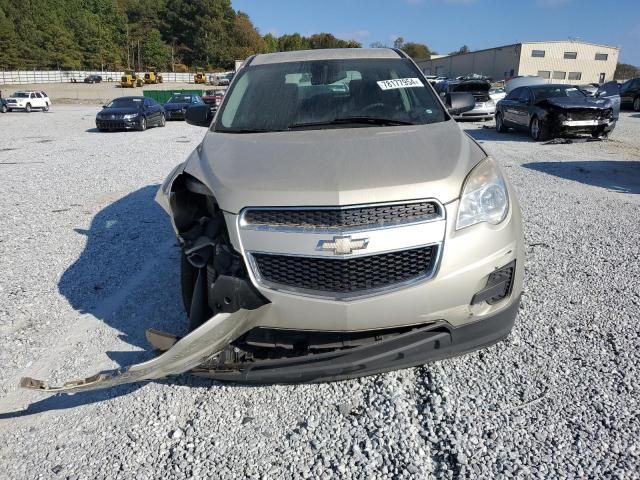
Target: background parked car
[(29, 100), (176, 106), (93, 79), (130, 113), (213, 98), (554, 110), (485, 107), (630, 94), (497, 94)]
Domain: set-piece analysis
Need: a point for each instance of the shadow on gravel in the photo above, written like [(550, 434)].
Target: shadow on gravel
[(127, 275), (66, 402), (617, 176), (490, 134)]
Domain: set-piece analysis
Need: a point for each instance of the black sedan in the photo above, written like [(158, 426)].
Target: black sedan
[(93, 79), (550, 110), (176, 106), (130, 113)]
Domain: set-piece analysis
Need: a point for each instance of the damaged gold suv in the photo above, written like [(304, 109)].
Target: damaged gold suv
[(335, 222)]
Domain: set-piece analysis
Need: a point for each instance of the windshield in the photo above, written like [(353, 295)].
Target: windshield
[(20, 95), (328, 94), (542, 93), (180, 99), (125, 103)]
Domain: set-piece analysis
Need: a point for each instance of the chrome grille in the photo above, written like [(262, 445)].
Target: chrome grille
[(343, 218)]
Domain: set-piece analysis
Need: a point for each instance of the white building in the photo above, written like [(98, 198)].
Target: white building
[(563, 61)]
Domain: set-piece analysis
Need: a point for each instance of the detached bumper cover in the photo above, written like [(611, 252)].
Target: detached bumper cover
[(189, 352), (434, 342)]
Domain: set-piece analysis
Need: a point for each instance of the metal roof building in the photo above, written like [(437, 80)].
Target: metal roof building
[(565, 61)]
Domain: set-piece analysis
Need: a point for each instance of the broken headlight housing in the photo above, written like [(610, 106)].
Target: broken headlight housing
[(484, 196)]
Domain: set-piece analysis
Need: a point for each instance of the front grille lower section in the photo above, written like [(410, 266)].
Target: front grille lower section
[(589, 115), (344, 218), (346, 277)]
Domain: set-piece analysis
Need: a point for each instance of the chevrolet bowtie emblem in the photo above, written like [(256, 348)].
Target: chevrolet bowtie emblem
[(342, 245)]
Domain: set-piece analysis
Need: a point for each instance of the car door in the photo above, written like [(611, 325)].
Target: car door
[(508, 107), (40, 100), (151, 111), (628, 89), (522, 110)]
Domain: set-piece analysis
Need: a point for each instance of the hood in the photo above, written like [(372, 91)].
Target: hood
[(176, 106), (335, 166), (577, 102), (119, 111), (480, 86)]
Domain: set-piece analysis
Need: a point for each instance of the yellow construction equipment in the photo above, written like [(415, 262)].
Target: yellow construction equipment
[(152, 77), (200, 77), (131, 79)]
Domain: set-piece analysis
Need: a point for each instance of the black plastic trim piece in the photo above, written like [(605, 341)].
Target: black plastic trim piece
[(407, 350)]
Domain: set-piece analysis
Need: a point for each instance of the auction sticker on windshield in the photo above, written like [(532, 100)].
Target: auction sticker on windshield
[(400, 83)]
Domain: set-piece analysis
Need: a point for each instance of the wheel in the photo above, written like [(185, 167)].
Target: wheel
[(163, 120), (636, 104), (28, 108), (46, 107), (538, 130), (500, 124), (143, 124), (4, 109)]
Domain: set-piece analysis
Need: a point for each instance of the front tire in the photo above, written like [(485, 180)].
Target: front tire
[(500, 128), (143, 124), (46, 107), (163, 120), (4, 109), (538, 130), (28, 108), (636, 104)]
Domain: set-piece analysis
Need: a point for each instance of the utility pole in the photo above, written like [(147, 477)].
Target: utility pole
[(173, 60), (128, 53), (139, 67)]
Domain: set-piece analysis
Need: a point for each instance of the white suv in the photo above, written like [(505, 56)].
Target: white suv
[(28, 101)]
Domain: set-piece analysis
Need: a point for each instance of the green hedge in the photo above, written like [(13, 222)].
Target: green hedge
[(161, 96)]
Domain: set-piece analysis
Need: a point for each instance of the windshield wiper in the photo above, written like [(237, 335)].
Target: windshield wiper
[(352, 120)]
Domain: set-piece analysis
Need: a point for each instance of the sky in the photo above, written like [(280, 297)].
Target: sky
[(446, 25)]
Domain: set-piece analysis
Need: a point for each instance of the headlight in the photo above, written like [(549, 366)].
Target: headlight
[(484, 196), (490, 102), (130, 116)]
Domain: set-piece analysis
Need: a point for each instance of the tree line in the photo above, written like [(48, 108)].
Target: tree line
[(137, 34)]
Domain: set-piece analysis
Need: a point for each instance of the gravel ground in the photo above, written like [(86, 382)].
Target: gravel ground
[(88, 262)]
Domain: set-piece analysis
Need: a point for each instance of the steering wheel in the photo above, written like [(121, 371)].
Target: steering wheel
[(372, 106)]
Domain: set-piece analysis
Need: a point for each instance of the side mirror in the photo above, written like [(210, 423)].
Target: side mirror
[(459, 102), (199, 115)]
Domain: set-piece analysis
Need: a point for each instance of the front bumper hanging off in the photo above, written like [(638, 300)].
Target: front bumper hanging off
[(187, 353), (196, 351)]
